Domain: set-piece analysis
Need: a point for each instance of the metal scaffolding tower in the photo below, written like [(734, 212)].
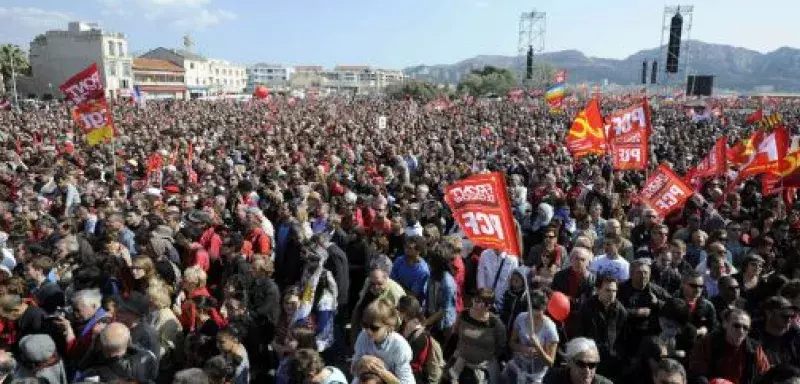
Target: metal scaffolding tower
[(532, 27)]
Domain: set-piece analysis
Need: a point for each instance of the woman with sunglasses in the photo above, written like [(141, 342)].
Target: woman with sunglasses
[(481, 340), (381, 350)]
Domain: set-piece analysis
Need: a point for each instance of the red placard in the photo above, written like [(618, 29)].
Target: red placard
[(480, 207), (85, 85), (631, 151), (665, 191)]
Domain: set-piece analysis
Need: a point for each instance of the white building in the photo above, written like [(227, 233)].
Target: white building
[(198, 69), (225, 77), (56, 56), (361, 78), (269, 75)]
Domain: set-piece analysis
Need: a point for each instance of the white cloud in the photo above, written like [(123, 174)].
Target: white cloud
[(19, 25), (185, 15), (203, 19), (31, 17)]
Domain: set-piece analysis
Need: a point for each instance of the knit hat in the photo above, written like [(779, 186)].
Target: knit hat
[(37, 348)]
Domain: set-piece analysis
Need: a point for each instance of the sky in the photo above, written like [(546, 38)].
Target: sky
[(396, 34)]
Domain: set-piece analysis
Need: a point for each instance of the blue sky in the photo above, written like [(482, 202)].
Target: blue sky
[(399, 33)]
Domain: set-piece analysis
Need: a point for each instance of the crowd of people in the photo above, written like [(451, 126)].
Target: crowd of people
[(302, 242)]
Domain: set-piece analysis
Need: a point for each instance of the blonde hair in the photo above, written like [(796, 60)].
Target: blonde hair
[(380, 311), (147, 265), (159, 296), (195, 275)]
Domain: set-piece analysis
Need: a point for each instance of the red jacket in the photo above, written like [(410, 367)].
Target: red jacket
[(211, 241)]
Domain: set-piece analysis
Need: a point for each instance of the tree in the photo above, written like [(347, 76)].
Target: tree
[(9, 54), (419, 90), (487, 80), (543, 72)]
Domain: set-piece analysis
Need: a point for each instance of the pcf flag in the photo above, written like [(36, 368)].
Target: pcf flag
[(664, 191), (480, 207), (587, 135), (628, 135)]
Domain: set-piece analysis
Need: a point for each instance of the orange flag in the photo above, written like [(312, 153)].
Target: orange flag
[(770, 153), (587, 134)]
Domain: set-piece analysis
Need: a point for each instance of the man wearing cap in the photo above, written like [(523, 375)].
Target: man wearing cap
[(40, 360), (781, 341), (129, 311)]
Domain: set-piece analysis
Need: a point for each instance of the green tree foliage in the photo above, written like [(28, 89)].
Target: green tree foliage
[(487, 80), (419, 90), (13, 54)]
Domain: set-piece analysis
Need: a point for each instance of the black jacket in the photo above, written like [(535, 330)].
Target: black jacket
[(704, 314), (137, 364), (265, 304), (561, 284), (604, 326), (340, 268)]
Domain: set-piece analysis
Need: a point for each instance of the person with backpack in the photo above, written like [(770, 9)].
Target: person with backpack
[(427, 360)]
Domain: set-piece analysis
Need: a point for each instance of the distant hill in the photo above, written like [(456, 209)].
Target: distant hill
[(735, 68)]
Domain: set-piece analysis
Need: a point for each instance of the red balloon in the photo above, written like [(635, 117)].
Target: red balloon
[(558, 306), (261, 92)]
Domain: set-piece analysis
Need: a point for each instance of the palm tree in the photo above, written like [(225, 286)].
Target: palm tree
[(11, 56)]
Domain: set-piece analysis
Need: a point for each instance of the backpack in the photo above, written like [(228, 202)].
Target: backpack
[(430, 359)]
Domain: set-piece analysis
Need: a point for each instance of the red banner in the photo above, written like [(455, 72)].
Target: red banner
[(95, 121), (664, 191), (631, 151), (91, 111), (631, 119), (715, 163), (587, 135), (480, 207), (86, 85)]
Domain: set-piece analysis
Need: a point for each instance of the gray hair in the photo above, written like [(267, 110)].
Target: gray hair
[(579, 345), (7, 365), (90, 297), (191, 376), (671, 366)]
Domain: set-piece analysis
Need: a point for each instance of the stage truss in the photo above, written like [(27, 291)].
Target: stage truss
[(532, 28), (675, 81)]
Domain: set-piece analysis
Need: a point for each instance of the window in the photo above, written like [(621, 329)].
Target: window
[(197, 80), (111, 48), (120, 49), (126, 69), (112, 68), (216, 71), (125, 84), (191, 66)]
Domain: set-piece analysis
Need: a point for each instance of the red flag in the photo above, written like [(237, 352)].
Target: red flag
[(587, 134), (85, 85), (741, 153), (769, 154), (190, 155), (480, 207), (628, 133), (715, 163), (664, 191), (755, 117)]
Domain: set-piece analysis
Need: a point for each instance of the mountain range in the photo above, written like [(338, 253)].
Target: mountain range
[(734, 68)]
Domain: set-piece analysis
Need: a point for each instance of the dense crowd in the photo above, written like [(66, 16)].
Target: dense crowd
[(301, 242)]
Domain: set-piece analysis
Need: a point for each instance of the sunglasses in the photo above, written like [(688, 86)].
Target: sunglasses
[(586, 364), (371, 327), (549, 237), (697, 286)]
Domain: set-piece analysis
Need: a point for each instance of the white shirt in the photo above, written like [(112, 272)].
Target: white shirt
[(488, 266), (617, 267)]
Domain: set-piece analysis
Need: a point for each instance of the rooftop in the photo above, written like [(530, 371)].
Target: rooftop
[(142, 63)]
